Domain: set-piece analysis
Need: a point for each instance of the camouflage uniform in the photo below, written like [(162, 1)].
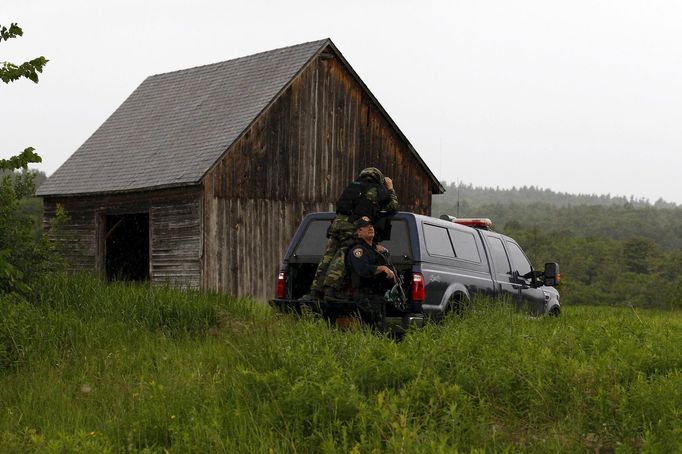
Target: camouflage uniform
[(332, 268)]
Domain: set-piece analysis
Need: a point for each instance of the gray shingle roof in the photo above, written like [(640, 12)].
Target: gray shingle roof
[(175, 126)]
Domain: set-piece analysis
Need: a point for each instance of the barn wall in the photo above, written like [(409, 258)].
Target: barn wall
[(297, 158), (77, 236), (175, 231), (253, 237)]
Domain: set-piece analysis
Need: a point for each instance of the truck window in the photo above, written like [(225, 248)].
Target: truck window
[(314, 239), (465, 245), (438, 241), (518, 258), (499, 256), (399, 244)]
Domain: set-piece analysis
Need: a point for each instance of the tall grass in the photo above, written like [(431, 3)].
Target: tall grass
[(95, 368)]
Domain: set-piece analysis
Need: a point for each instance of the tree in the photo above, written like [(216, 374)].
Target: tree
[(10, 72), (30, 69), (20, 253), (637, 255)]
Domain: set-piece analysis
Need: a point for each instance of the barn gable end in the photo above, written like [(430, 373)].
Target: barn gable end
[(296, 158)]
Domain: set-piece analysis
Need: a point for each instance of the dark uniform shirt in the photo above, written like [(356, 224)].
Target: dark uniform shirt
[(363, 261)]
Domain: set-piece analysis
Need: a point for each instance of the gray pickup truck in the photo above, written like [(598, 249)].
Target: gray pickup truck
[(443, 263)]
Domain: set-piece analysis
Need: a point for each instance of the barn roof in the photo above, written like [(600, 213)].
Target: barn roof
[(175, 126)]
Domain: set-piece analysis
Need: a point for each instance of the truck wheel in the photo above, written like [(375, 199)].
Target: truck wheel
[(554, 311), (456, 304)]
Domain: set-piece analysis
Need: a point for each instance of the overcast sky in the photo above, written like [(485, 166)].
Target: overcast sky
[(576, 96)]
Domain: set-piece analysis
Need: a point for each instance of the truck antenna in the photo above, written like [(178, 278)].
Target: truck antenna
[(458, 186)]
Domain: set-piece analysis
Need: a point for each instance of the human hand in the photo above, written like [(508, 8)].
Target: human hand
[(387, 271), (388, 183), (381, 249)]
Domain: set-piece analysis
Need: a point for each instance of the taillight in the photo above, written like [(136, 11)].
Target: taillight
[(418, 294), (281, 285), (558, 279)]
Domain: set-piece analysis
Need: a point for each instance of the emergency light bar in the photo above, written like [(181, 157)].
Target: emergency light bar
[(477, 223)]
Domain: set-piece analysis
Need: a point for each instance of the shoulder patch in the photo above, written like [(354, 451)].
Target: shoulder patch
[(357, 252)]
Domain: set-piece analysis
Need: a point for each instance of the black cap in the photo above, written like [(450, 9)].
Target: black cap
[(363, 221)]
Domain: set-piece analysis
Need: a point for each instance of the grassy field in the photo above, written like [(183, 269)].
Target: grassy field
[(95, 368)]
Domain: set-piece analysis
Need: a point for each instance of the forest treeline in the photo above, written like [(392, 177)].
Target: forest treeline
[(470, 195), (611, 250)]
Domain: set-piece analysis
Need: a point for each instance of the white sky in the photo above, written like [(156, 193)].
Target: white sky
[(577, 96)]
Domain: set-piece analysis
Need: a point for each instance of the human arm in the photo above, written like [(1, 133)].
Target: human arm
[(391, 202)]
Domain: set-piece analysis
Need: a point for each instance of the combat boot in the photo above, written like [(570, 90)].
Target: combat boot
[(314, 295), (331, 294)]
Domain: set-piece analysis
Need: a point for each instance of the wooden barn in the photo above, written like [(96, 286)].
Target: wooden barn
[(201, 176)]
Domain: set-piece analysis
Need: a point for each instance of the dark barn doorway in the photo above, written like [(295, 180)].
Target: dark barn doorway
[(127, 247)]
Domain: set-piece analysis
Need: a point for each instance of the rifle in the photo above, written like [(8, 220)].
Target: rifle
[(396, 294)]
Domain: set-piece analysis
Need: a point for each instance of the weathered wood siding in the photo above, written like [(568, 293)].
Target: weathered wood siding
[(175, 231), (78, 236), (253, 235), (176, 246), (296, 158)]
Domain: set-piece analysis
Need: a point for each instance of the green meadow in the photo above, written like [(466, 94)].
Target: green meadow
[(89, 367)]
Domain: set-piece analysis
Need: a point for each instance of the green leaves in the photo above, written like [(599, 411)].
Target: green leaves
[(20, 161), (13, 31), (22, 255), (10, 72), (11, 278)]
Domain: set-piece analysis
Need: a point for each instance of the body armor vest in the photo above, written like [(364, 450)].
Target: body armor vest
[(354, 202)]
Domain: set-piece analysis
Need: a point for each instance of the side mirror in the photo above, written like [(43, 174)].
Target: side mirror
[(552, 275), (533, 278)]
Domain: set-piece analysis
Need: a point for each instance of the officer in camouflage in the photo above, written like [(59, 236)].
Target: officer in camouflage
[(369, 195)]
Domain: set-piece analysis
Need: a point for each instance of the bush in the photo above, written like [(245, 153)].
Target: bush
[(24, 255)]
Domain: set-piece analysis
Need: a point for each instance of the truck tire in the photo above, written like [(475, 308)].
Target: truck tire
[(456, 304)]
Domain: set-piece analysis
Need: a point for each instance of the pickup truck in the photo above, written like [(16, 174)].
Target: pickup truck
[(443, 263)]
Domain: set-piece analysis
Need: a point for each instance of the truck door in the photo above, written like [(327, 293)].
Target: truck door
[(439, 249), (531, 296), (503, 271)]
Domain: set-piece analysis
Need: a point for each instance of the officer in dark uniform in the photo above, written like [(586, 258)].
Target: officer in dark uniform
[(369, 274)]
